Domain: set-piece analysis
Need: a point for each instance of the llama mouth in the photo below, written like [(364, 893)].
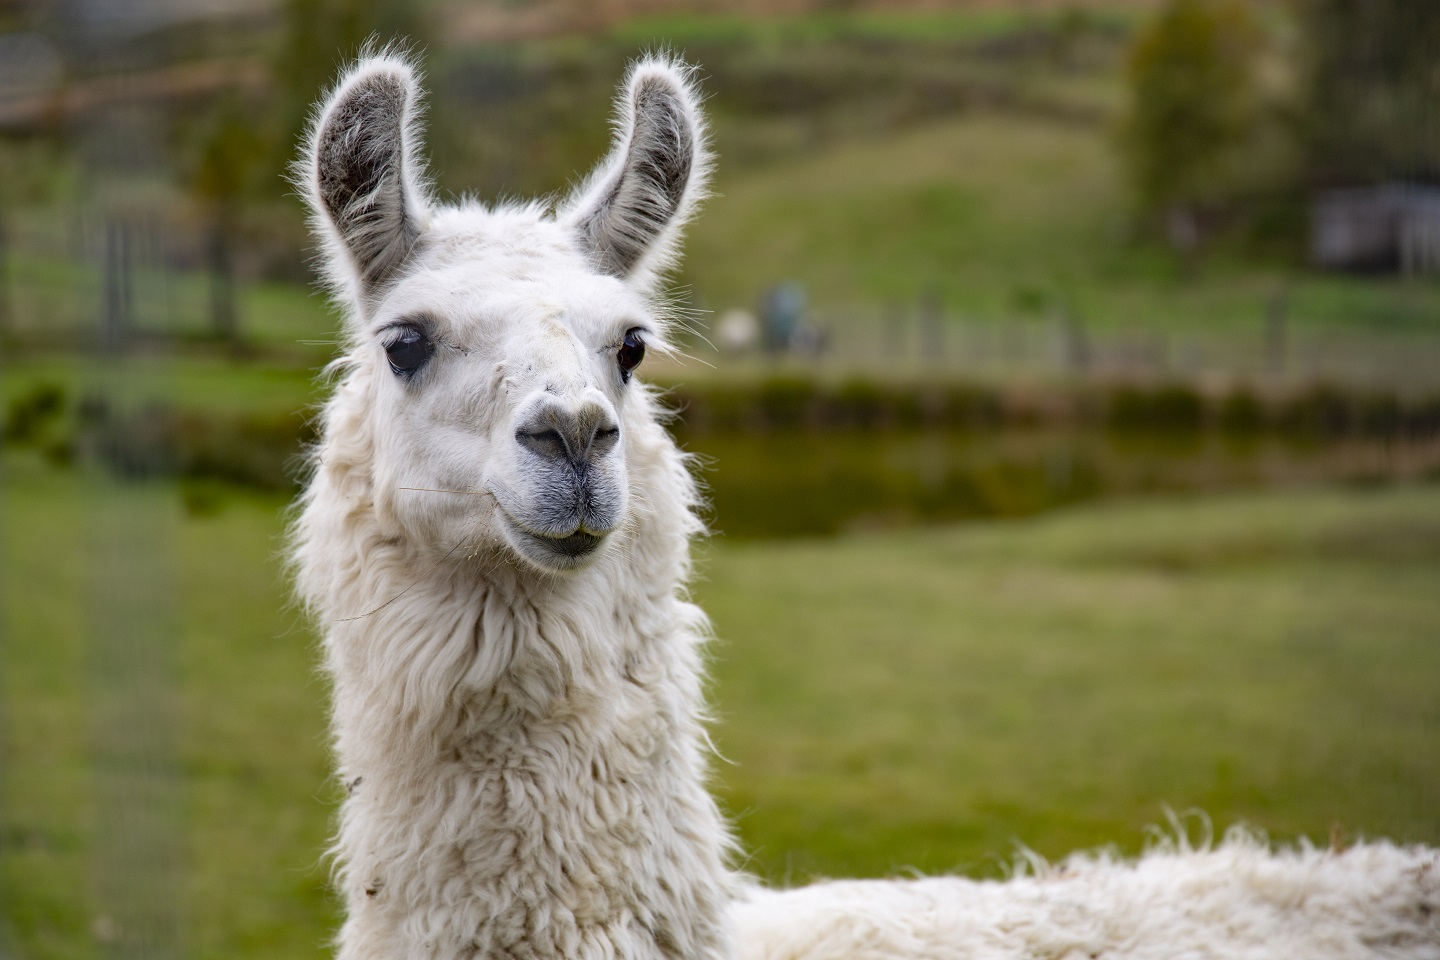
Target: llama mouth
[(558, 553), (555, 553), (576, 544)]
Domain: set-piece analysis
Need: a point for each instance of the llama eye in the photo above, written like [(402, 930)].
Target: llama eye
[(631, 352), (408, 351)]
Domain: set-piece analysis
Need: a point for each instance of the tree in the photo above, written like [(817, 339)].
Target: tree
[(229, 152), (319, 37), (240, 147), (1194, 106), (1371, 90)]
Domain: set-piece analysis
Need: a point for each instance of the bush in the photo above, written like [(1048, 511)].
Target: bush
[(1379, 414), (31, 413), (787, 402), (1322, 410), (1241, 412), (1169, 408)]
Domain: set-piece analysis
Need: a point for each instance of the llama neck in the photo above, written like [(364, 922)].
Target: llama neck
[(523, 756)]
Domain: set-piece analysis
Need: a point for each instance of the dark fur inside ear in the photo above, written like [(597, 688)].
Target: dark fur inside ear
[(361, 180), (637, 200)]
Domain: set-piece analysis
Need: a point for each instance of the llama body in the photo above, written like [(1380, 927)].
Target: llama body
[(495, 541), (1237, 901), (512, 784), (521, 745)]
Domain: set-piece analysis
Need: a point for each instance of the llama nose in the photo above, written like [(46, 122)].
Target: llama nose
[(579, 436)]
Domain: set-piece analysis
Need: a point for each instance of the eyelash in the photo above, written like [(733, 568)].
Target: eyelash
[(630, 352), (408, 348)]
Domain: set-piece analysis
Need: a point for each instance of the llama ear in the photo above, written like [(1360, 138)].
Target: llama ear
[(629, 214), (361, 175)]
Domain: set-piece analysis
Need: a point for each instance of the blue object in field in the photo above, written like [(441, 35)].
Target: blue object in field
[(782, 308)]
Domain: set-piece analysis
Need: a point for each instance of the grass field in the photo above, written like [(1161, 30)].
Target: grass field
[(914, 699), (928, 699), (1011, 218)]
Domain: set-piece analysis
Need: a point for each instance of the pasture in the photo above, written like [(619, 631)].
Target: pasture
[(888, 696), (885, 701)]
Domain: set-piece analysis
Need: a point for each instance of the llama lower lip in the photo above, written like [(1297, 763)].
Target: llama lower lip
[(577, 544), (567, 551), (563, 552)]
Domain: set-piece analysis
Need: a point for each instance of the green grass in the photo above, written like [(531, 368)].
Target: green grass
[(206, 384), (1007, 220), (922, 698), (998, 214), (248, 748), (946, 204), (54, 301), (928, 699)]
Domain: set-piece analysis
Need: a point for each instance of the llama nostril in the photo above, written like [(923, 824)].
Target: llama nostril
[(604, 441), (579, 438), (547, 443)]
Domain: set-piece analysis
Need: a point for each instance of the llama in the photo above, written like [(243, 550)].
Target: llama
[(495, 542)]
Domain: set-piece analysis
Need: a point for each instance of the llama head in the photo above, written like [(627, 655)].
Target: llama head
[(489, 375)]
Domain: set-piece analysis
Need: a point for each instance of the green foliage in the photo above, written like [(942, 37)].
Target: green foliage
[(1193, 102), (1170, 408), (32, 412), (230, 149), (1241, 412), (1370, 89), (321, 36)]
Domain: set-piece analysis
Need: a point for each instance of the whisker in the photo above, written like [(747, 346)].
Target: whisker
[(694, 331), (690, 356), (463, 493)]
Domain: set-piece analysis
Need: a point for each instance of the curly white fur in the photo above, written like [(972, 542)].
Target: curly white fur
[(1238, 901), (495, 543), (521, 739)]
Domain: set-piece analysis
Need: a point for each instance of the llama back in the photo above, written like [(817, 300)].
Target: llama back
[(1238, 901)]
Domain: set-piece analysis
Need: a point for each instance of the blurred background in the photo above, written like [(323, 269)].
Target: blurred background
[(1065, 375)]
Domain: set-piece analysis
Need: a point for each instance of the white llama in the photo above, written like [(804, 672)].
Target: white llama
[(495, 543)]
